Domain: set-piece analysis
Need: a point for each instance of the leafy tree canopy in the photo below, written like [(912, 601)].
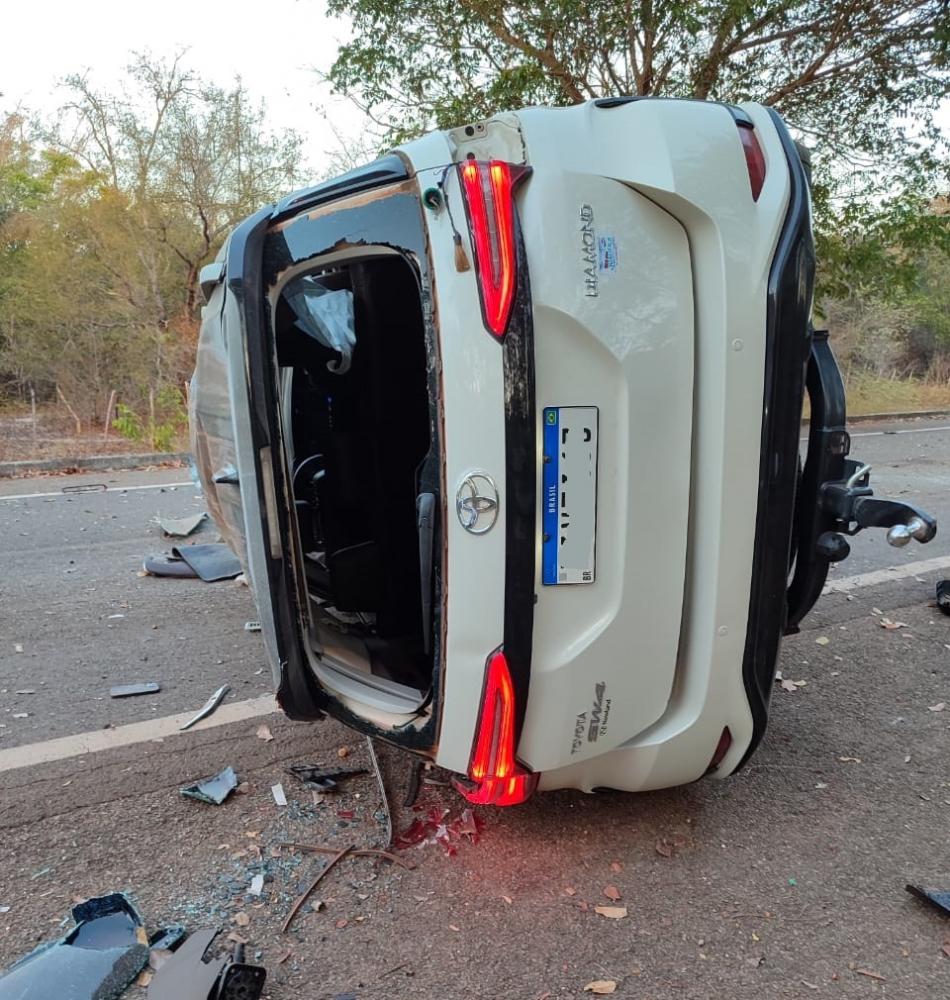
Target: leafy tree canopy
[(860, 80)]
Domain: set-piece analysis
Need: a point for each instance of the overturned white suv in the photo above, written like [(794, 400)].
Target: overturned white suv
[(505, 426)]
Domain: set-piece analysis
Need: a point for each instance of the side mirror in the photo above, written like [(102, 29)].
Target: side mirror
[(209, 277)]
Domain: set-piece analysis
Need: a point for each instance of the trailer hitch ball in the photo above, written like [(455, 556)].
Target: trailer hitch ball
[(901, 534)]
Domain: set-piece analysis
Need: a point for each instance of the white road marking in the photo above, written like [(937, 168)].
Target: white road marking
[(906, 430), (136, 732), (108, 489), (879, 576)]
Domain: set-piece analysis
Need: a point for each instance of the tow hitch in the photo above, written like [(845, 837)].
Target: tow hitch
[(835, 498)]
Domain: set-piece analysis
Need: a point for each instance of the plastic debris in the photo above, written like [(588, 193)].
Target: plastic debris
[(97, 959), (194, 972), (212, 562), (943, 596), (209, 706), (213, 790), (163, 564), (279, 796), (936, 897), (181, 527), (323, 779), (130, 690)]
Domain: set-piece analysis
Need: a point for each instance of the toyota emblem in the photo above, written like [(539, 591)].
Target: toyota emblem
[(476, 503)]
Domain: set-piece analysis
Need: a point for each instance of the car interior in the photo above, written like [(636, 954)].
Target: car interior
[(358, 430)]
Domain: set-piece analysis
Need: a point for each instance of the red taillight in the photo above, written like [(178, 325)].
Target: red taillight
[(722, 748), (491, 218), (754, 158), (497, 779)]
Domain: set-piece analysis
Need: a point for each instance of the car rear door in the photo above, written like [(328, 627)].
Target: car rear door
[(262, 477)]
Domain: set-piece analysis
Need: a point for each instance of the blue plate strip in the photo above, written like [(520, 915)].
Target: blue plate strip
[(549, 481)]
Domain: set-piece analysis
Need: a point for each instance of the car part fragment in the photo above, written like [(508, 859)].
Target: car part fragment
[(943, 596), (164, 564), (209, 706), (213, 790), (936, 897), (181, 527), (211, 562), (96, 960), (323, 779), (193, 974), (129, 690)]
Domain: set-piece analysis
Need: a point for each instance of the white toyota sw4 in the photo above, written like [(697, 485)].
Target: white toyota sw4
[(505, 426)]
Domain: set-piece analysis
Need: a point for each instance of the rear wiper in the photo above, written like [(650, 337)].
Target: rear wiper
[(425, 525)]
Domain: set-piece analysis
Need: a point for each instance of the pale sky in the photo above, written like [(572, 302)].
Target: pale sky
[(274, 45)]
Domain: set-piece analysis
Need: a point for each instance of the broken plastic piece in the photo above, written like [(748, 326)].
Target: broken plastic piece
[(213, 790), (181, 527), (943, 596), (163, 564), (97, 959), (209, 706), (191, 973), (324, 779), (211, 562), (938, 897), (128, 690)]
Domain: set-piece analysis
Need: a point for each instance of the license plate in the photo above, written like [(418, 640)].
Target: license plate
[(569, 512)]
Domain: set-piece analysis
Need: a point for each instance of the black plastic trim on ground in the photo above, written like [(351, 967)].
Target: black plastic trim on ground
[(788, 343)]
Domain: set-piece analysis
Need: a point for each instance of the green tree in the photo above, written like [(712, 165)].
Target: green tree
[(107, 215), (859, 79), (194, 158)]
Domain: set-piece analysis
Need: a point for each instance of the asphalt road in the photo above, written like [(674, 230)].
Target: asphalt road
[(910, 461), (783, 881), (74, 601)]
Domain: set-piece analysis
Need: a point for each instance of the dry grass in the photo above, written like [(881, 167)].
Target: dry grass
[(869, 393), (54, 436)]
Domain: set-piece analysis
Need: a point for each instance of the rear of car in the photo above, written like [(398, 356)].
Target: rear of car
[(516, 419)]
